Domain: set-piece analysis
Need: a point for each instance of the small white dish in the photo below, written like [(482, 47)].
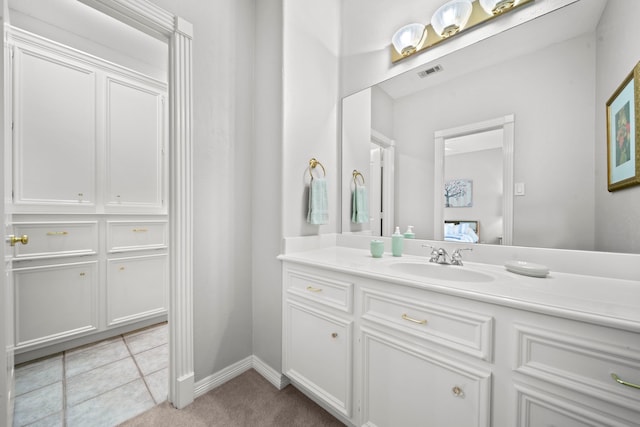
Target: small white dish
[(527, 268)]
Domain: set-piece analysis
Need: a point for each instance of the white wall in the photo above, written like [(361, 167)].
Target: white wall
[(618, 52), (81, 27), (267, 186), (310, 127), (381, 112), (551, 106), (223, 55), (356, 143), (368, 26)]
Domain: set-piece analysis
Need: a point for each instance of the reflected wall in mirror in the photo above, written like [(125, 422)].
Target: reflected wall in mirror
[(554, 74)]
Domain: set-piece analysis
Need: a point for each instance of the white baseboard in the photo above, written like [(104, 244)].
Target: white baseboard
[(217, 379), (278, 380)]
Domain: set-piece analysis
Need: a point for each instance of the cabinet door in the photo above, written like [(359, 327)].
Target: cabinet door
[(54, 131), (406, 387), (134, 137), (318, 354), (55, 301), (136, 288)]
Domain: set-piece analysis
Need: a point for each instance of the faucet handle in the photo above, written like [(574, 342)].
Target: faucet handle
[(457, 251), (434, 252), (456, 257)]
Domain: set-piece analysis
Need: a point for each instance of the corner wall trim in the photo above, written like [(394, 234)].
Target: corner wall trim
[(278, 380), (209, 383)]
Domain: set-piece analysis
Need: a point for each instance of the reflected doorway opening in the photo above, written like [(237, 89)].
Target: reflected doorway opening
[(470, 134), (382, 176)]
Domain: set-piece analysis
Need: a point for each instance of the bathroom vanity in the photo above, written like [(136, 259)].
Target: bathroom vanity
[(399, 341)]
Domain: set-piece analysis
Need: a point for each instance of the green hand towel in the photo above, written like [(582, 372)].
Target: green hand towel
[(360, 205), (318, 202)]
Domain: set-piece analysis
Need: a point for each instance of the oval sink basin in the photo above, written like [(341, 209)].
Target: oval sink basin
[(442, 272)]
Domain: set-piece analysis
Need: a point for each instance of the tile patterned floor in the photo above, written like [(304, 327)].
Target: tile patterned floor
[(102, 384)]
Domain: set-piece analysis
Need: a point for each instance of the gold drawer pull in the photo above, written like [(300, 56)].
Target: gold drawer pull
[(621, 381), (57, 233), (334, 335), (121, 269), (82, 274), (140, 230), (411, 319), (312, 289)]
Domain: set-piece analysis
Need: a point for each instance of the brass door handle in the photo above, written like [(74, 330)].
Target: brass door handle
[(24, 239), (312, 289)]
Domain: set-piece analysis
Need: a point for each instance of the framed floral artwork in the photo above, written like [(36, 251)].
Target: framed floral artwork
[(623, 133)]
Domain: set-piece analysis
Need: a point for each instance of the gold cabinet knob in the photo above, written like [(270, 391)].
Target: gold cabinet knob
[(334, 335), (24, 239), (457, 391)]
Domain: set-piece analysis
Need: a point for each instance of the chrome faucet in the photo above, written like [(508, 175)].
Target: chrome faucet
[(456, 258), (441, 256)]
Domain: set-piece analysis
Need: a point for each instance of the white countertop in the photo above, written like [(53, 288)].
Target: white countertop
[(605, 301)]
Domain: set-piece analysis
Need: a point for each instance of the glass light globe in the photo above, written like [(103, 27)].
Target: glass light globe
[(407, 38), (496, 7), (451, 17)]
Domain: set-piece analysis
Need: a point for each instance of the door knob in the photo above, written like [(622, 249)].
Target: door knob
[(24, 239)]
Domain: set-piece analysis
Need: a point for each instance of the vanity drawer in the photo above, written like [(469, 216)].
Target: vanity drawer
[(334, 293), (583, 363), (124, 236), (56, 239), (459, 329)]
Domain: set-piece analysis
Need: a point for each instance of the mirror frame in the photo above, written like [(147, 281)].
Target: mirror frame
[(506, 123)]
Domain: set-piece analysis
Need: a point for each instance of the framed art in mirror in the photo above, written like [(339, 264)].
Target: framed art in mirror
[(623, 133), (458, 193)]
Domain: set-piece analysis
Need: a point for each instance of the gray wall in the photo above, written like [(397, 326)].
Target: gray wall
[(223, 96), (551, 94), (618, 51)]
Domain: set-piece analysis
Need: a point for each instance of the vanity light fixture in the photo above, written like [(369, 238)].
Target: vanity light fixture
[(407, 38), (496, 7), (450, 19)]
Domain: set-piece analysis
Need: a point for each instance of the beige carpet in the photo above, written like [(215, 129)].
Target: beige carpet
[(247, 400)]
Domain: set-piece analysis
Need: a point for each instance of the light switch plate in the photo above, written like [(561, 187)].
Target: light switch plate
[(519, 189)]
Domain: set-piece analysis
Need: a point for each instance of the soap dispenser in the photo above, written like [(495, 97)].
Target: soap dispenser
[(409, 234), (396, 242)]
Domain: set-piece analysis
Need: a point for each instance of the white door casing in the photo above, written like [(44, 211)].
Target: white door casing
[(157, 22)]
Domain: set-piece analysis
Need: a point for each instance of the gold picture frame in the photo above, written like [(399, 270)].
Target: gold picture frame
[(623, 133)]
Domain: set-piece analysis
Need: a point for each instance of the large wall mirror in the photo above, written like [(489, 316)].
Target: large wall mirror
[(552, 76)]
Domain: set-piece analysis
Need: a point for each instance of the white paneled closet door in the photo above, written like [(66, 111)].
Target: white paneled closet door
[(134, 139), (54, 130)]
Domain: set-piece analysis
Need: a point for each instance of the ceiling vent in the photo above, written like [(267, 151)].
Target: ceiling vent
[(424, 73)]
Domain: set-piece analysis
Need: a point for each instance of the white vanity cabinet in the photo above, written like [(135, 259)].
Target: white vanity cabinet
[(55, 301), (564, 373), (415, 365), (428, 356), (318, 337), (89, 181)]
